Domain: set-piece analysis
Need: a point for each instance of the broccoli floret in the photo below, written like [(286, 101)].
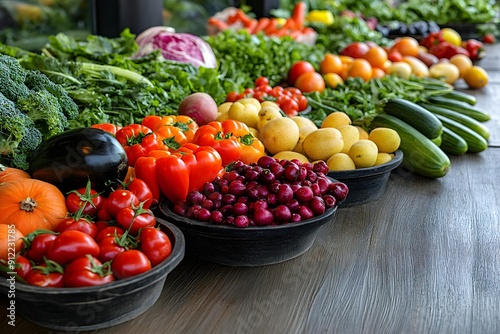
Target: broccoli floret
[(45, 112), (17, 135), (12, 77), (37, 81)]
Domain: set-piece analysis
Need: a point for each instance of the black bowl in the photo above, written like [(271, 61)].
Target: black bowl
[(248, 246), (90, 308), (366, 184)]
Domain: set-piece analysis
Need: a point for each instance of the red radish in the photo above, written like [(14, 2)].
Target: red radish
[(199, 106)]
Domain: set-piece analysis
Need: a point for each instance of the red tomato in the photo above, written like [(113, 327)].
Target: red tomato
[(302, 101), (130, 263), (141, 189), (87, 271), (135, 219), (261, 81), (81, 224), (23, 266), (298, 68), (86, 197), (109, 247), (70, 245), (355, 50), (232, 97), (120, 199), (155, 244), (109, 231), (310, 82), (37, 248), (290, 107), (40, 277)]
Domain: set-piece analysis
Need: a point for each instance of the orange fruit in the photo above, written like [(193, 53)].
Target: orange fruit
[(376, 56), (330, 64), (360, 68), (406, 46), (476, 77), (346, 59), (377, 72)]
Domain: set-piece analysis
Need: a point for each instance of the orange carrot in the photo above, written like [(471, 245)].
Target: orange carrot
[(242, 17), (250, 25), (221, 25), (261, 24), (299, 14), (271, 27)]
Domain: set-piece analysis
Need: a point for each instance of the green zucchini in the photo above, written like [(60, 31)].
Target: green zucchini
[(452, 143), (438, 140), (469, 122), (461, 107), (420, 154), (475, 142), (416, 116), (461, 96)]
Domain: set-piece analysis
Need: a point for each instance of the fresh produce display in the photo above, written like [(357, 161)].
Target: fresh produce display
[(100, 239), (269, 192)]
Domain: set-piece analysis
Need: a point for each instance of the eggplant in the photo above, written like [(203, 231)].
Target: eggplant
[(70, 159)]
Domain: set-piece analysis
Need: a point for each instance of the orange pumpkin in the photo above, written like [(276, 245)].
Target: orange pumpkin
[(10, 241), (31, 204), (10, 174)]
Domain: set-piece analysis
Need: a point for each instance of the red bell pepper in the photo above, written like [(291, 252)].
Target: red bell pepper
[(475, 48), (137, 140), (186, 170), (447, 50), (434, 38), (224, 137)]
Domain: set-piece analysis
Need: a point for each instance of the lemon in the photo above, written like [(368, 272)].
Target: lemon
[(350, 135), (340, 161), (336, 120), (363, 153), (303, 132), (289, 155), (451, 36), (323, 143), (387, 140), (279, 134), (476, 77), (362, 132), (383, 158)]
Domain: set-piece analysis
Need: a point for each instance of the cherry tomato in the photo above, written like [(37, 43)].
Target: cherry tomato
[(261, 81), (232, 97), (120, 199), (109, 247), (37, 247), (298, 68), (302, 101), (155, 244), (355, 50), (70, 245), (23, 266), (109, 231), (130, 263), (310, 82), (141, 189), (135, 219), (86, 197), (103, 213), (102, 224), (290, 107), (87, 271), (48, 274), (81, 224)]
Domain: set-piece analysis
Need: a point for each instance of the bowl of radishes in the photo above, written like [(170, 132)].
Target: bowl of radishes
[(257, 214)]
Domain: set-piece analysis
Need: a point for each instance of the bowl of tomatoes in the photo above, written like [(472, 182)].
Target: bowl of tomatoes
[(96, 307), (257, 214), (367, 184)]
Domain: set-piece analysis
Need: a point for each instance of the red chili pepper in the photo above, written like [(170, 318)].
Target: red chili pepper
[(186, 170)]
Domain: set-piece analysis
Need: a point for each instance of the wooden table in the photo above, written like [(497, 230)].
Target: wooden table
[(423, 259)]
